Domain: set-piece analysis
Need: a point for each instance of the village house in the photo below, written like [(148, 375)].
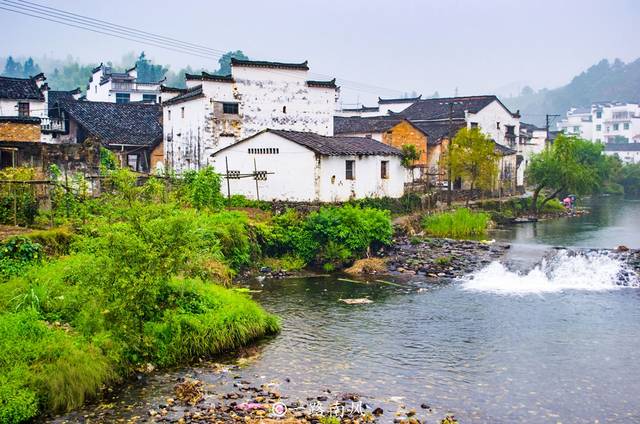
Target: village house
[(308, 167), (385, 107), (120, 87), (29, 137), (133, 131), (486, 113), (216, 111), (392, 130)]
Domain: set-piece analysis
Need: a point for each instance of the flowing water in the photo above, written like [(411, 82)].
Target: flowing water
[(545, 336)]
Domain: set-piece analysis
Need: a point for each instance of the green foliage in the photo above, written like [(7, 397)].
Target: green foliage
[(409, 202), (225, 61), (458, 224), (16, 254), (240, 201), (147, 71), (570, 165), (203, 188), (472, 157), (443, 260), (410, 155), (108, 160), (16, 69), (18, 201)]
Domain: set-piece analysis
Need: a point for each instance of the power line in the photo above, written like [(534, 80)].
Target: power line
[(131, 34)]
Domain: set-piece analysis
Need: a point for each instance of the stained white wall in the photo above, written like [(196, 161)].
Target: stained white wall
[(488, 119), (301, 175), (266, 98), (9, 107)]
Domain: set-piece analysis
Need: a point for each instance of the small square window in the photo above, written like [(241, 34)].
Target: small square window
[(23, 109), (182, 112), (498, 125), (626, 126), (123, 97), (384, 169), (475, 125), (230, 108), (616, 127), (598, 127), (350, 169), (149, 98), (599, 115)]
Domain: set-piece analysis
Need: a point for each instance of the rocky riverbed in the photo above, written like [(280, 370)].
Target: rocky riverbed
[(439, 257), (213, 392)]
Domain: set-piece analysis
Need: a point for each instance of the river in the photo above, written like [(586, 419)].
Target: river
[(517, 342)]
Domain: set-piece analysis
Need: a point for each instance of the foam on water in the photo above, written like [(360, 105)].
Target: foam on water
[(591, 271)]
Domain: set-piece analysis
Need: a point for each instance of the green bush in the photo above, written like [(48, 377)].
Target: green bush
[(16, 254), (458, 224), (18, 201)]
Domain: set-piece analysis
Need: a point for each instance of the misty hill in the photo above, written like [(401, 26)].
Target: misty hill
[(604, 81)]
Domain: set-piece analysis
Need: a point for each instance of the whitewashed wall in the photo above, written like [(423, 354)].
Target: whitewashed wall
[(301, 175), (9, 107), (487, 119)]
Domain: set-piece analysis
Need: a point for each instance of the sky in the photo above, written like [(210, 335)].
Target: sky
[(450, 46)]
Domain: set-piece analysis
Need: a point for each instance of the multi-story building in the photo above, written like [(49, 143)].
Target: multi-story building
[(578, 122), (120, 87), (217, 111), (615, 124)]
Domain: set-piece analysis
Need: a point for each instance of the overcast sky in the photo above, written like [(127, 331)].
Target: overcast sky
[(478, 47)]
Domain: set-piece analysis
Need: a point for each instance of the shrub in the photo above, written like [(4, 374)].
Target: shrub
[(203, 188), (18, 201), (16, 254), (458, 224), (55, 242)]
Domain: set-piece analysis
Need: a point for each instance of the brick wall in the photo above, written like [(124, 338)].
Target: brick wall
[(19, 131), (405, 133)]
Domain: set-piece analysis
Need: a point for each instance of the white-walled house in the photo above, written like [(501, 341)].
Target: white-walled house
[(616, 122), (308, 167), (487, 113), (120, 87), (217, 111), (578, 122)]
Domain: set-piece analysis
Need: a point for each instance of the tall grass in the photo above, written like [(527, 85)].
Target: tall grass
[(458, 224)]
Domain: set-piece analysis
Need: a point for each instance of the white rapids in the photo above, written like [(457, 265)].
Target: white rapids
[(589, 271)]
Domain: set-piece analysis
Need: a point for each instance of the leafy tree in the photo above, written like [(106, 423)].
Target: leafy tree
[(571, 164), (30, 68), (147, 71), (225, 61), (473, 158), (410, 155), (12, 68)]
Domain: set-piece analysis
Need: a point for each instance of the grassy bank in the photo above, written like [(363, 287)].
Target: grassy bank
[(139, 275), (460, 223)]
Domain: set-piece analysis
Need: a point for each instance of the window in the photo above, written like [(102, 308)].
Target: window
[(132, 162), (576, 130), (149, 98), (95, 88), (169, 115), (599, 114), (616, 127), (598, 127), (498, 125), (626, 126), (384, 169), (23, 109), (182, 112), (263, 150), (8, 158), (231, 108), (123, 97), (475, 125), (284, 109), (598, 140), (350, 169)]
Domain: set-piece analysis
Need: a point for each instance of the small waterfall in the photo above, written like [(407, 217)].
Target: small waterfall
[(562, 270)]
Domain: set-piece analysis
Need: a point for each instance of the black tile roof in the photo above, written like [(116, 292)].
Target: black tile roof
[(362, 125), (332, 146), (138, 124), (205, 76), (54, 96), (19, 89), (21, 119), (189, 94), (337, 145), (437, 131), (304, 66), (363, 108), (529, 127), (323, 84), (431, 109), (622, 147), (169, 89), (382, 101), (503, 150)]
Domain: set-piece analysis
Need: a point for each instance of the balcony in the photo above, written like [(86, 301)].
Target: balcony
[(52, 125), (129, 87)]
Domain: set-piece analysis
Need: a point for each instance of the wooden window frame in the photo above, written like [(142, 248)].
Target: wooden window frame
[(23, 109), (350, 170), (384, 169)]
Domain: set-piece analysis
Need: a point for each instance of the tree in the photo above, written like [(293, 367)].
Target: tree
[(30, 68), (225, 61), (570, 165), (147, 71), (472, 156), (410, 155), (12, 68)]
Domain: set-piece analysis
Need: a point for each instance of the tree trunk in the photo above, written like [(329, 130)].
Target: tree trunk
[(551, 196), (534, 200)]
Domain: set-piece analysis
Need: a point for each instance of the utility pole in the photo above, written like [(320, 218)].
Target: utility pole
[(547, 116)]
